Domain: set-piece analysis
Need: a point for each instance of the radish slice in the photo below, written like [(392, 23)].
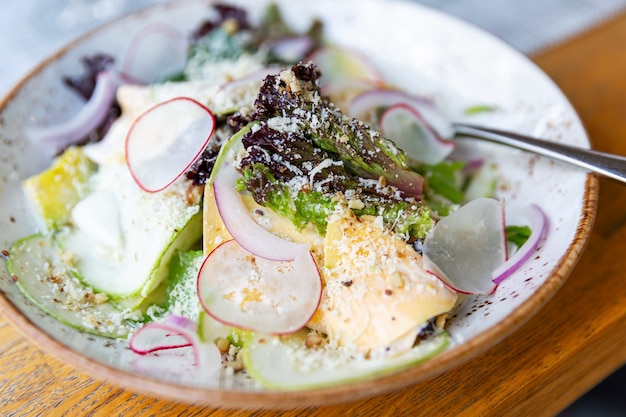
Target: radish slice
[(156, 51), (256, 76), (242, 227), (249, 292), (538, 223), (339, 63), (367, 105), (177, 332), (342, 92), (291, 49), (84, 122), (405, 125), (165, 140), (464, 248)]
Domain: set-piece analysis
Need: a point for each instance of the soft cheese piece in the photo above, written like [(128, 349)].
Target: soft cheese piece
[(376, 295), (376, 291)]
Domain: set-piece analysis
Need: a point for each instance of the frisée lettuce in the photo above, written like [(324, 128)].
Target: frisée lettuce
[(294, 236)]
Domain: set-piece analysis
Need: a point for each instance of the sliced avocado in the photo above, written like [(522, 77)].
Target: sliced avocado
[(284, 363), (55, 191), (131, 277), (175, 295), (43, 275), (152, 225)]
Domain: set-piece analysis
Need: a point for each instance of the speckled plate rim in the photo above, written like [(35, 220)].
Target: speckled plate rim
[(352, 391)]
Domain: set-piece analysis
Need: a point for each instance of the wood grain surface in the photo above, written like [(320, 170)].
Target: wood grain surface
[(577, 340)]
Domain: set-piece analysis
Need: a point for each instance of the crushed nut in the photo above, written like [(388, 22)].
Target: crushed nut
[(55, 279), (194, 194), (314, 340), (101, 298), (223, 344)]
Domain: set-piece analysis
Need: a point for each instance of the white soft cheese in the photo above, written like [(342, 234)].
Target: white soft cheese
[(149, 222)]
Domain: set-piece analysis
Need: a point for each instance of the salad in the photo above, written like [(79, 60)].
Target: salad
[(272, 206)]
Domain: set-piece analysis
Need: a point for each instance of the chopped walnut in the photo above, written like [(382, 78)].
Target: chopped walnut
[(194, 194), (236, 364), (55, 279), (101, 298), (223, 344), (314, 340)]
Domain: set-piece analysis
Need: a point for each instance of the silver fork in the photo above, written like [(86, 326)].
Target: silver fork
[(606, 164)]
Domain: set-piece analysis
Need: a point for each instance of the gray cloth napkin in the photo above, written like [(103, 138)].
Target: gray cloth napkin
[(31, 30)]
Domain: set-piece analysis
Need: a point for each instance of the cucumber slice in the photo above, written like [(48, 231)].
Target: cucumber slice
[(46, 280), (210, 330), (286, 364), (153, 227), (181, 293)]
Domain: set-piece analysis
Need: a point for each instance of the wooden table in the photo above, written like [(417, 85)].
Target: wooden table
[(547, 364)]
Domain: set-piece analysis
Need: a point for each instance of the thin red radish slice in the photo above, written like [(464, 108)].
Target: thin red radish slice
[(338, 63), (242, 227), (342, 92), (406, 126), (538, 223), (84, 122), (367, 105), (465, 247), (249, 292), (165, 140), (256, 76), (176, 333), (156, 51)]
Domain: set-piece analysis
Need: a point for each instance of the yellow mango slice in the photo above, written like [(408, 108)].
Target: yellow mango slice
[(55, 191)]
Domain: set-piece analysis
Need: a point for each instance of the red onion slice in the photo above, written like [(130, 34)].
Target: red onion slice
[(242, 290), (165, 140), (84, 122), (465, 247), (366, 106), (538, 224), (406, 126), (176, 333), (242, 227)]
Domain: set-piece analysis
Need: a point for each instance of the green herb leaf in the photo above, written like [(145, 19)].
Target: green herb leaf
[(518, 235)]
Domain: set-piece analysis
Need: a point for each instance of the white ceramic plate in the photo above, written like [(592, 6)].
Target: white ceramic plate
[(417, 48)]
